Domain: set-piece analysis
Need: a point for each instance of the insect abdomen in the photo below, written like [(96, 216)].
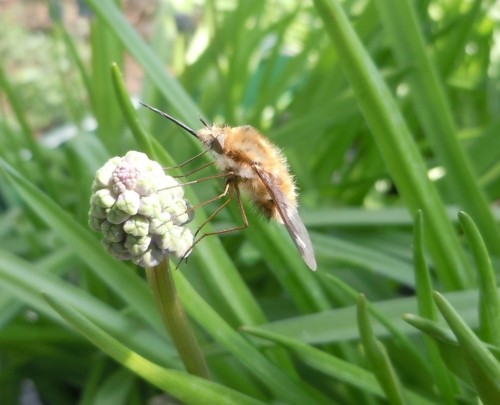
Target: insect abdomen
[(258, 194)]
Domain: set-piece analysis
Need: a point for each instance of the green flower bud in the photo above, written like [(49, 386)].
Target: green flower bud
[(118, 250), (152, 257), (150, 206), (104, 198), (128, 201), (139, 210), (103, 175), (161, 224), (116, 216), (97, 211), (137, 245), (95, 223), (137, 225), (112, 232)]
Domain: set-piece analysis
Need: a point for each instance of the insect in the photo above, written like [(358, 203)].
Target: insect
[(250, 162)]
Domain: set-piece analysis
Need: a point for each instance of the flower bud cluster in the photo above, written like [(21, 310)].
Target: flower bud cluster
[(140, 210)]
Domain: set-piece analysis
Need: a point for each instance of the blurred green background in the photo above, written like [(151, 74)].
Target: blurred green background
[(387, 112)]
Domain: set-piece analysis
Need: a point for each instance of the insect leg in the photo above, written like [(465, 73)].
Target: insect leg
[(187, 183), (217, 197), (210, 200), (234, 191), (196, 170), (216, 212), (191, 159)]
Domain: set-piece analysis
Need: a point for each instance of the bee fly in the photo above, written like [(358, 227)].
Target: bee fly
[(251, 162)]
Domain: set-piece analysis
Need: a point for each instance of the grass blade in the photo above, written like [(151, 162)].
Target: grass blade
[(284, 386), (25, 281), (396, 145), (116, 275), (430, 104), (378, 357), (186, 388), (336, 368), (489, 302), (40, 157), (184, 107), (482, 365), (444, 380), (141, 136)]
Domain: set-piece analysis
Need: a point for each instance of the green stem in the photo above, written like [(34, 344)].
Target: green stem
[(175, 319)]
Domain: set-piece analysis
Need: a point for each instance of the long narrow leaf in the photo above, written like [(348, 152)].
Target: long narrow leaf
[(432, 107), (395, 144), (315, 329), (489, 301), (338, 369), (444, 380), (482, 365), (378, 357), (284, 386), (187, 388), (25, 282), (116, 275), (170, 88), (28, 133)]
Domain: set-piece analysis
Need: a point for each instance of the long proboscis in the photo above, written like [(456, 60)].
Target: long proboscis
[(174, 120)]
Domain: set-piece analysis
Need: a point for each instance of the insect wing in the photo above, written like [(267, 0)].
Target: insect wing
[(290, 216)]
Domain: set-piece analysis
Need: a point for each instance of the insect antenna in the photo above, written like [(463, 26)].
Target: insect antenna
[(174, 120), (202, 120)]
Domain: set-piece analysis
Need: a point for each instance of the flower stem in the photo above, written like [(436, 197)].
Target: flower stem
[(175, 319)]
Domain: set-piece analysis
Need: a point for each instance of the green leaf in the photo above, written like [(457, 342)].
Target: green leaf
[(106, 49), (446, 353), (284, 259), (411, 353), (378, 357), (444, 381), (185, 108), (281, 384), (433, 109), (315, 328), (431, 328), (141, 136), (24, 281), (338, 369), (395, 143), (482, 365), (366, 258), (422, 275), (489, 302), (115, 388), (429, 101), (188, 389), (115, 274), (40, 155)]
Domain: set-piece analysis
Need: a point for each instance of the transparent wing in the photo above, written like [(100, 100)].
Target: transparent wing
[(290, 216)]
